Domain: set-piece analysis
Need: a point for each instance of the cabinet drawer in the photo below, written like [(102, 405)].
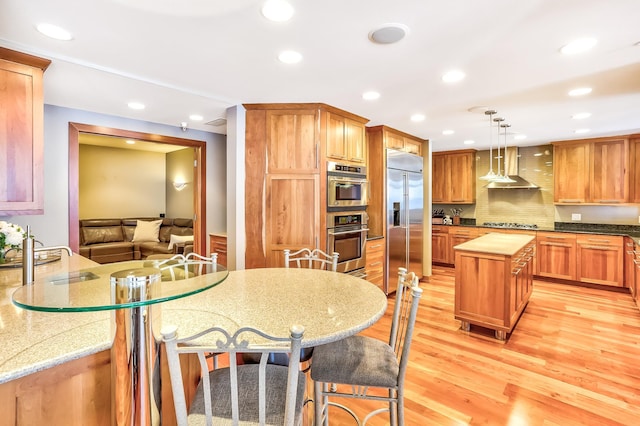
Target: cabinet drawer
[(374, 266)]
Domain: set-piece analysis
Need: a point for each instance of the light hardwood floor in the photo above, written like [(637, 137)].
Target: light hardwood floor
[(572, 359)]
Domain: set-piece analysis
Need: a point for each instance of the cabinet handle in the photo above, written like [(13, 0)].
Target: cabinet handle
[(569, 201), (600, 248), (637, 262), (609, 201), (555, 237), (375, 263), (458, 201), (544, 243), (630, 244), (597, 240), (376, 246)]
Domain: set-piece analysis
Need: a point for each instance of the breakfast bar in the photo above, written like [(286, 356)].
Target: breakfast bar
[(494, 280)]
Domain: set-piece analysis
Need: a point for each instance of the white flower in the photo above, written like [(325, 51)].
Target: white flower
[(11, 236)]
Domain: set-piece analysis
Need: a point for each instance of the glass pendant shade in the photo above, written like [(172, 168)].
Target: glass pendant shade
[(504, 178), (491, 174)]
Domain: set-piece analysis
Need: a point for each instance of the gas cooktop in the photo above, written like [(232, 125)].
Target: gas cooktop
[(510, 225)]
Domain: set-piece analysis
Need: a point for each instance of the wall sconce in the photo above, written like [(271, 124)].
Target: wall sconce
[(179, 186)]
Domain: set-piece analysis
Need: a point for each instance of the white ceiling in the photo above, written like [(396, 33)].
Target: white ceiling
[(203, 56)]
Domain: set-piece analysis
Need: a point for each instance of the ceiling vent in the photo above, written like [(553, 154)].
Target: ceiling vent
[(389, 33), (217, 122)]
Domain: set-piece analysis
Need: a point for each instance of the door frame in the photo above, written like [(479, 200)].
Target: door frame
[(199, 177)]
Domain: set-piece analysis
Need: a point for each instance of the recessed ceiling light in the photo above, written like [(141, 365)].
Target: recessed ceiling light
[(290, 57), (579, 131), (54, 32), (453, 76), (277, 10), (578, 46), (447, 132), (469, 142), (519, 136), (418, 117), (370, 95), (195, 117), (136, 105), (130, 142), (581, 115), (580, 91), (389, 33)]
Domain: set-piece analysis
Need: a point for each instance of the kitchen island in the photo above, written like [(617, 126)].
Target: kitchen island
[(494, 280)]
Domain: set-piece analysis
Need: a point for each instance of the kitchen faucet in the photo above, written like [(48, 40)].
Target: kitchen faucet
[(28, 256)]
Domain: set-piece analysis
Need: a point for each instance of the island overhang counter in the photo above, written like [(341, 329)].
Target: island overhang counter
[(493, 281)]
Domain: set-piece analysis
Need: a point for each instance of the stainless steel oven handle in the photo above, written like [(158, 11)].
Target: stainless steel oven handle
[(353, 231), (347, 179)]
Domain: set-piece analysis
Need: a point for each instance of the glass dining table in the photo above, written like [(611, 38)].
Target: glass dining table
[(133, 292), (329, 305)]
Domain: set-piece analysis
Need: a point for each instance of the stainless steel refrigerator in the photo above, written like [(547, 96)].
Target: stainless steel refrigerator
[(404, 215)]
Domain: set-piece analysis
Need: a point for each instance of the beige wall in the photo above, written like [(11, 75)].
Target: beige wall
[(117, 182), (180, 168)]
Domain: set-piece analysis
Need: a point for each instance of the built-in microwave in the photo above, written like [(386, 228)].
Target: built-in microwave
[(347, 185)]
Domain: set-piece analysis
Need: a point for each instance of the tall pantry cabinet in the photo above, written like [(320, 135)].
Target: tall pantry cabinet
[(285, 176), (21, 133)]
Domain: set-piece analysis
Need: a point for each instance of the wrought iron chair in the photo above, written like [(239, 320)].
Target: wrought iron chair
[(252, 394), (180, 266), (307, 258), (373, 369)]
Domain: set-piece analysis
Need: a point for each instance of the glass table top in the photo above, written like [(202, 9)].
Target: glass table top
[(93, 289)]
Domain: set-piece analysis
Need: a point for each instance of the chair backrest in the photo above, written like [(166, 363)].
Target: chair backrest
[(307, 258), (408, 296), (180, 266), (219, 340)]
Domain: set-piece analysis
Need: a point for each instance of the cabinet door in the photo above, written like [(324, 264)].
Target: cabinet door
[(634, 167), (292, 215), (600, 260), (292, 141), (629, 266), (393, 141), (218, 244), (556, 255), (440, 248), (336, 142), (609, 166), (440, 180), (462, 178), (571, 173), (21, 139), (413, 147), (356, 141)]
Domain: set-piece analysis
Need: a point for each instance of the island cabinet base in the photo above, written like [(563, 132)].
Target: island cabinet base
[(78, 393), (492, 289)]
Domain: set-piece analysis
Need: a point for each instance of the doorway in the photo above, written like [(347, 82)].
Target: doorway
[(199, 176)]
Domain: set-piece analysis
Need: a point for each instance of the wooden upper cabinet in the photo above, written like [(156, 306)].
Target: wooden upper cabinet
[(591, 171), (454, 177), (21, 133), (401, 141), (292, 141), (346, 139), (610, 164), (634, 168)]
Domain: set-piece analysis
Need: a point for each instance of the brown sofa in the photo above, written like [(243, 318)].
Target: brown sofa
[(110, 240)]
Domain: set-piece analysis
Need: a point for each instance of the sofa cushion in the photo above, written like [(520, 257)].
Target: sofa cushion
[(147, 231), (179, 239), (101, 234), (111, 252)]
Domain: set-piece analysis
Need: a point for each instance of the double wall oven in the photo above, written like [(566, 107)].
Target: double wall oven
[(347, 197)]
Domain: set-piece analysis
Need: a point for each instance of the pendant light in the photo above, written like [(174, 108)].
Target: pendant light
[(491, 175), (498, 176), (505, 178)]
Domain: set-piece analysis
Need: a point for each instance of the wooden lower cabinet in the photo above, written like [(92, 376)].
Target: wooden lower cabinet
[(78, 393), (492, 290), (459, 235), (218, 244), (600, 259), (440, 244), (556, 255), (631, 264), (375, 260)]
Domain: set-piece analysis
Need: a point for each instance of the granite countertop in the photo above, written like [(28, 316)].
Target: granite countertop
[(33, 341), (495, 243)]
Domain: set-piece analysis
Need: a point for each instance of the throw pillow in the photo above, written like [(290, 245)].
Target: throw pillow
[(174, 239), (147, 231)]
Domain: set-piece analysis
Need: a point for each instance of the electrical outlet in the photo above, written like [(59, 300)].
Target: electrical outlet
[(576, 216)]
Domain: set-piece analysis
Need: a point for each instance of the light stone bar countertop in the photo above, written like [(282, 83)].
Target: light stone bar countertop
[(329, 305), (496, 243)]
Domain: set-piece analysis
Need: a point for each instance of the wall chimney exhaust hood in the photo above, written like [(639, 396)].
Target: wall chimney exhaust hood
[(512, 169)]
